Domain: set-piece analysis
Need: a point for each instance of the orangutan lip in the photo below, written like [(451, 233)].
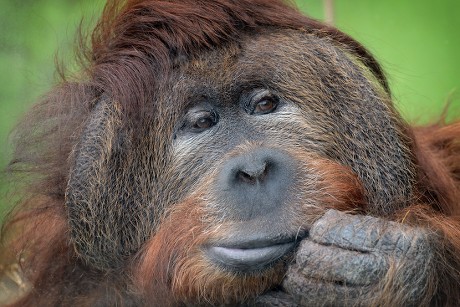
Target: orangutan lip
[(249, 256)]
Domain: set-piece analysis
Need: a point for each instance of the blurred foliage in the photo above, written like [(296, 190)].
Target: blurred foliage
[(417, 42), (34, 33)]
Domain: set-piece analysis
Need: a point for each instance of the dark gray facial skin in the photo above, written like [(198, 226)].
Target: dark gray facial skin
[(335, 122), (320, 92), (304, 94)]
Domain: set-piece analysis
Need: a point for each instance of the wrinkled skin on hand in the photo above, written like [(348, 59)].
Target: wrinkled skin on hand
[(353, 260)]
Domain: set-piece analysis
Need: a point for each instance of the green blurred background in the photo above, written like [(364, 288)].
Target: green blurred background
[(417, 42)]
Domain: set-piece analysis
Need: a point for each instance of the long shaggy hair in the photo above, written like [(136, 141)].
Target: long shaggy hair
[(135, 44)]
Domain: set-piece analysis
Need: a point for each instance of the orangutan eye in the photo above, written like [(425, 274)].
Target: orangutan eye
[(266, 105), (200, 120), (262, 102), (204, 122)]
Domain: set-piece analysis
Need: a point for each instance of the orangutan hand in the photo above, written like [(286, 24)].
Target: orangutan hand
[(358, 260)]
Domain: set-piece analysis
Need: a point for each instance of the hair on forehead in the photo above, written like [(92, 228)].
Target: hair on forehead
[(136, 40)]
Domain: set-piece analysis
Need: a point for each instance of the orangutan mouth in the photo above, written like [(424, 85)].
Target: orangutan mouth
[(248, 256)]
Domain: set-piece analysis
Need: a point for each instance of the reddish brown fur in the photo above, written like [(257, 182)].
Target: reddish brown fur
[(438, 156), (38, 232), (180, 272), (51, 260), (179, 34)]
